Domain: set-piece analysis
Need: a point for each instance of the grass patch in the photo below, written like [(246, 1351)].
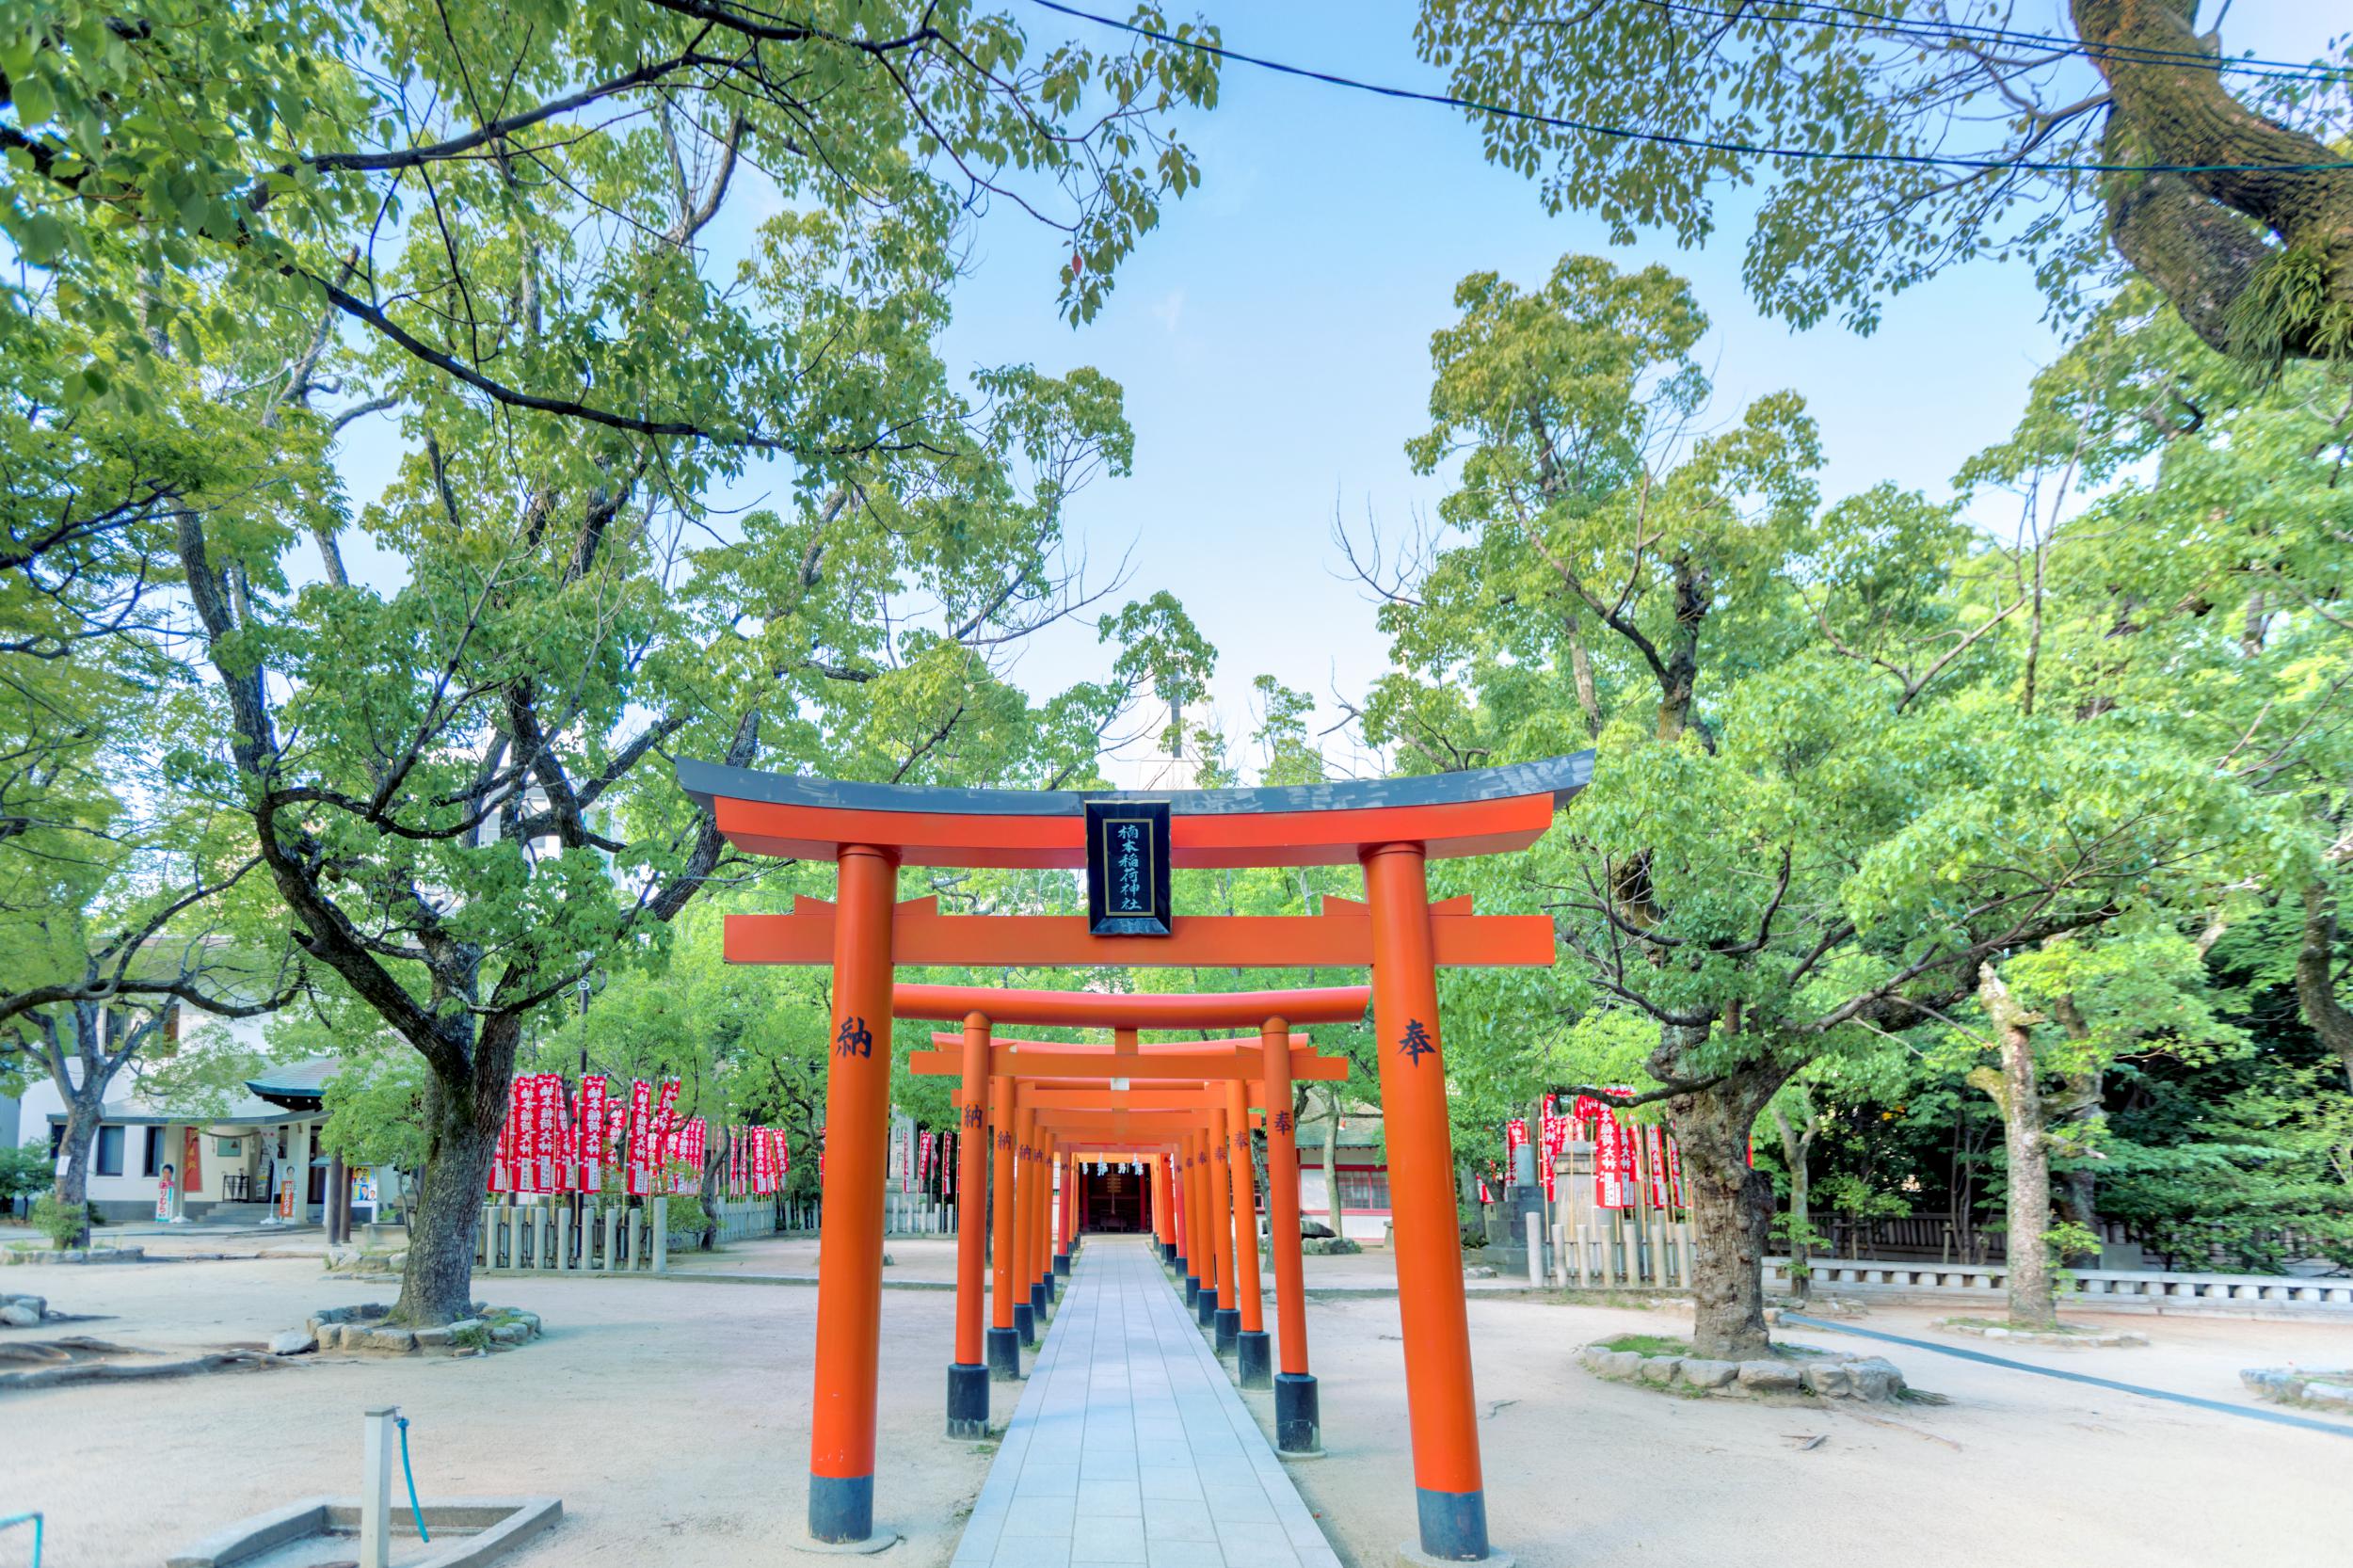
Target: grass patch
[(2017, 1328), (1648, 1344)]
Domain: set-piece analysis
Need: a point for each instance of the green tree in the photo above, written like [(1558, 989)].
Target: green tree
[(1874, 115), (504, 229), (1818, 804)]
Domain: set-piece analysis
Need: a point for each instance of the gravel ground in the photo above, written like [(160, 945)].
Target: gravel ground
[(671, 1418), (2017, 1469)]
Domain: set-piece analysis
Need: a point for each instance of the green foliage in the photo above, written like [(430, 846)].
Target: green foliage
[(24, 1171), (1648, 1344), (2288, 301), (65, 1224), (1823, 129)]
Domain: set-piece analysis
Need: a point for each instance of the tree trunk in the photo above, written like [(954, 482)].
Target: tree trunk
[(1794, 1153), (2315, 976), (2031, 1303), (1332, 1159), (462, 1121), (83, 1112), (1732, 1213)]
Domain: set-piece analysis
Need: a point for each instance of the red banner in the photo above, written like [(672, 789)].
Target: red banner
[(588, 1133), (640, 1138)]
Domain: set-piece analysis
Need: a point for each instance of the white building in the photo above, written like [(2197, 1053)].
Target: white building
[(256, 1159)]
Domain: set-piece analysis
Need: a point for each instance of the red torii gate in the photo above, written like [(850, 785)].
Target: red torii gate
[(1073, 1090), (1391, 828)]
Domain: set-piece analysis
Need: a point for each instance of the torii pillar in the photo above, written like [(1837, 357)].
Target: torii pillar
[(850, 1245), (1451, 1495)]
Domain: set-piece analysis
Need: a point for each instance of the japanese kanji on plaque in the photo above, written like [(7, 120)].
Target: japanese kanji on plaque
[(1128, 848)]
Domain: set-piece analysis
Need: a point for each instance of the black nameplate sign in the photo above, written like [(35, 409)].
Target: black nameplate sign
[(1128, 867)]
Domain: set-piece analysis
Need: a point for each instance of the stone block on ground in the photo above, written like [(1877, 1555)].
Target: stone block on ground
[(1826, 1379), (1874, 1378), (433, 1339), (293, 1341), (399, 1341), (510, 1333), (1700, 1373), (1769, 1377), (17, 1315), (1660, 1369)]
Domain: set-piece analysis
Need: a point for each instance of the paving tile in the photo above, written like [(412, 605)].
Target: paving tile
[(1178, 1519), (1040, 1478), (1106, 1539), (1171, 1481), (1240, 1505), (1110, 1499), (1128, 1447), (1184, 1554), (1040, 1516), (1244, 1549)]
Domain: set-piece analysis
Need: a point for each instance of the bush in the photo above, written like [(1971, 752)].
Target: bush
[(64, 1223), (687, 1217)]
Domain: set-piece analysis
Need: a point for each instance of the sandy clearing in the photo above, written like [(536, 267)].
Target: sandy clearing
[(672, 1418)]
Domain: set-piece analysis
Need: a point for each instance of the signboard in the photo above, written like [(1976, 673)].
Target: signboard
[(1128, 845)]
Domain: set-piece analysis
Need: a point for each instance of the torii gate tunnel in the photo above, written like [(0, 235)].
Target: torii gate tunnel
[(1390, 827)]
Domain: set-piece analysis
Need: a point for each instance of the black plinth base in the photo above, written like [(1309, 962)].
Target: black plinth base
[(1253, 1359), (1025, 1322), (1004, 1354), (1062, 1263), (968, 1399), (1040, 1299), (841, 1508), (1227, 1325), (1298, 1424), (1192, 1289), (1205, 1306), (1453, 1525)]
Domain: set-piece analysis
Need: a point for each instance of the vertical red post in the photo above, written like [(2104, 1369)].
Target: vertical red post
[(1254, 1364), (850, 1243), (1068, 1206), (1173, 1192), (968, 1375), (1203, 1235), (1441, 1407), (1225, 1320), (1025, 1303), (1298, 1423), (1004, 1340)]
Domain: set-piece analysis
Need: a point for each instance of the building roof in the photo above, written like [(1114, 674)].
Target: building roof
[(1558, 777), (248, 1111), (297, 1086)]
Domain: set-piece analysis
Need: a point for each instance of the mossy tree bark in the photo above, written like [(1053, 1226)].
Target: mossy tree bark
[(2016, 1088)]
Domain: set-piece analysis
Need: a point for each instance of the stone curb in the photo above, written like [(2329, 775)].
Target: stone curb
[(2087, 1341), (1829, 1376)]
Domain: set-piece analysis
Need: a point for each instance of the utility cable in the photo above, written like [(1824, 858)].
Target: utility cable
[(1668, 138), (1856, 18)]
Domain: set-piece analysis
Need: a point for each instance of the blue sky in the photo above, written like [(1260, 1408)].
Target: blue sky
[(1273, 338)]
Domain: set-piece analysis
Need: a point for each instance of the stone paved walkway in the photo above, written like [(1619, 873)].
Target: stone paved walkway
[(1131, 1445)]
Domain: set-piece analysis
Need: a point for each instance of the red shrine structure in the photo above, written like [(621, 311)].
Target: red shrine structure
[(1128, 844)]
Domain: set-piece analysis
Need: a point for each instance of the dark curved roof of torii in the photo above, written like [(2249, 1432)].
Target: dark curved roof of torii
[(1560, 777)]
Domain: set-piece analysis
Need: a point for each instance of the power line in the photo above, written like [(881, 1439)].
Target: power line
[(1859, 20), (1668, 138)]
